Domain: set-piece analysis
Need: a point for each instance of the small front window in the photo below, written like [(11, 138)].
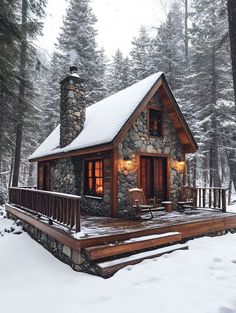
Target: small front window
[(155, 117), (93, 177)]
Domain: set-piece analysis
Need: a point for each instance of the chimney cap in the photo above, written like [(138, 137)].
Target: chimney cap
[(73, 73), (73, 69)]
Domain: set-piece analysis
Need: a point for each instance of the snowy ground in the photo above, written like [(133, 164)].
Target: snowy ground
[(201, 280)]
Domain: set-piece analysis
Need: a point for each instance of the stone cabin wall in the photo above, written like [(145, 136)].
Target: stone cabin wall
[(138, 141), (67, 176), (67, 173)]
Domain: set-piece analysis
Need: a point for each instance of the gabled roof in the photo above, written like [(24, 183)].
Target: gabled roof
[(106, 119)]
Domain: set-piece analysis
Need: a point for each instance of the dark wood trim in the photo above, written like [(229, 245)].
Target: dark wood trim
[(168, 168), (187, 230), (96, 149), (191, 146), (114, 184), (141, 107), (47, 229), (139, 170), (158, 155), (167, 97), (184, 171)]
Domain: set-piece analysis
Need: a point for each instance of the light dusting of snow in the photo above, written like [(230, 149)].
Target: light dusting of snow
[(104, 119)]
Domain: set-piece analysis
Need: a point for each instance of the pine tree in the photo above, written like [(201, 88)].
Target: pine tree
[(119, 76), (77, 45), (9, 38), (167, 48), (231, 6), (140, 56), (31, 12), (209, 59)]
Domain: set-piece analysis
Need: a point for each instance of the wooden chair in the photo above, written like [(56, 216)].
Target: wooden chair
[(139, 203), (189, 198)]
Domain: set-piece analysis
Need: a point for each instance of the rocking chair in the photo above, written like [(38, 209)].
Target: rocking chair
[(138, 203), (189, 198)]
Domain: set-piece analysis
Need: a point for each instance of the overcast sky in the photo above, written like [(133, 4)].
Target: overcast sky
[(118, 21)]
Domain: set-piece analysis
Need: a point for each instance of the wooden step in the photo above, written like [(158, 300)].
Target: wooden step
[(131, 245), (108, 268)]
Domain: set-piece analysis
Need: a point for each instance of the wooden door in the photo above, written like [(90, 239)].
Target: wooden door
[(153, 177)]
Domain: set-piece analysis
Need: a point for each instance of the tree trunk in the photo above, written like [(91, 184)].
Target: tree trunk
[(215, 177), (232, 35), (186, 31), (20, 113), (230, 191), (11, 171)]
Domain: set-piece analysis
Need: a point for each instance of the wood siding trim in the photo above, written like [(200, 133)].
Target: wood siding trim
[(141, 107), (97, 149), (177, 118), (45, 228), (114, 184), (174, 113)]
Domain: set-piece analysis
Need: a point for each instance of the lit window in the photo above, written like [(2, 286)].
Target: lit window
[(93, 177)]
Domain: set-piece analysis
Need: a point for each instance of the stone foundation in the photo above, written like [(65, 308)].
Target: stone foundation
[(62, 252)]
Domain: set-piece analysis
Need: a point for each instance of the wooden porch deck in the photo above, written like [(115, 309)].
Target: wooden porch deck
[(191, 223), (108, 244)]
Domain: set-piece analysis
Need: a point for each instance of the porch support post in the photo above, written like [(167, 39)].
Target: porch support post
[(114, 183)]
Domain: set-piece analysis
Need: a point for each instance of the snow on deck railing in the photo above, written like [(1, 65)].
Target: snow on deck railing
[(62, 208)]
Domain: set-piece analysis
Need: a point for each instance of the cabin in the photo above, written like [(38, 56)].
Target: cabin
[(80, 209), (137, 137)]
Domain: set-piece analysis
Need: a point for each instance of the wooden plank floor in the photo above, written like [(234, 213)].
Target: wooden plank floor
[(103, 230), (99, 230), (94, 226)]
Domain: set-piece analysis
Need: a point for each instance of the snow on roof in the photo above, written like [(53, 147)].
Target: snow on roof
[(103, 121)]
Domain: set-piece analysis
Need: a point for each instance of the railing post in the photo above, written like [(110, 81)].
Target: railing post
[(77, 215), (215, 198), (204, 197), (210, 199), (224, 200), (199, 197)]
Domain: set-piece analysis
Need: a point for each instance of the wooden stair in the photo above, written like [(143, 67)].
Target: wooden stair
[(109, 258), (108, 268)]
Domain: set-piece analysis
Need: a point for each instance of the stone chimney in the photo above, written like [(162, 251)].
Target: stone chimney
[(73, 106)]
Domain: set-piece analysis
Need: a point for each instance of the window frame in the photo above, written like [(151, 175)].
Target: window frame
[(86, 190), (152, 108)]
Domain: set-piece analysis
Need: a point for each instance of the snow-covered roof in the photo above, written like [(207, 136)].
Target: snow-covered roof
[(103, 120)]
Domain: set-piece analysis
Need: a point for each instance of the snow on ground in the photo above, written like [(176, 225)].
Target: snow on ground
[(201, 280)]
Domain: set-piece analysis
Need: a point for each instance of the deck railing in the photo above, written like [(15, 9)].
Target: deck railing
[(207, 197), (59, 207)]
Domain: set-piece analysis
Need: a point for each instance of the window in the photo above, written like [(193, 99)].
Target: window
[(93, 177), (155, 117), (44, 176)]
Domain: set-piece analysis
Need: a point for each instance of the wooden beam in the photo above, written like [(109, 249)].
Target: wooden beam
[(100, 252), (47, 229), (114, 183), (141, 107), (95, 149)]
